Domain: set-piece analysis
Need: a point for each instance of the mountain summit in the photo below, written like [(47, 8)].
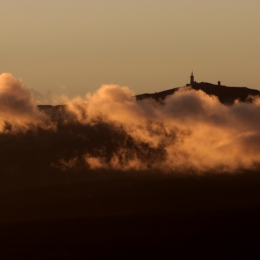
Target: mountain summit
[(226, 95)]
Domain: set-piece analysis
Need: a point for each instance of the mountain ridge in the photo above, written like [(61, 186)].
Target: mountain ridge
[(226, 95)]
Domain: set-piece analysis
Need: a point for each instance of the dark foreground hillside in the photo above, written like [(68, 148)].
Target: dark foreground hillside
[(48, 212), (102, 214)]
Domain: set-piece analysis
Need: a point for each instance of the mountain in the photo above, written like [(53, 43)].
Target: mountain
[(55, 206), (226, 95)]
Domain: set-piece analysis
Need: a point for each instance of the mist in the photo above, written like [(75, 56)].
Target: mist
[(189, 131), (18, 110)]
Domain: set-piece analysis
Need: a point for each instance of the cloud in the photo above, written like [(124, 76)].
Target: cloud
[(191, 130), (18, 110), (109, 129)]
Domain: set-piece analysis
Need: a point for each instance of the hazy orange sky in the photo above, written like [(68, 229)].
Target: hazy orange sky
[(74, 47)]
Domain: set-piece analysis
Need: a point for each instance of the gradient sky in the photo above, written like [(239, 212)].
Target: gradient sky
[(75, 46)]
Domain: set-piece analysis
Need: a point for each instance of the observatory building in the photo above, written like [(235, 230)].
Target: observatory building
[(192, 82)]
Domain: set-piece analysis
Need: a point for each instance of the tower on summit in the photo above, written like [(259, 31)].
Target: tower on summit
[(192, 81), (192, 78)]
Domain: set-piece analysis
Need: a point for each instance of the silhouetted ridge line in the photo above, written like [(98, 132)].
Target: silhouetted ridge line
[(225, 94)]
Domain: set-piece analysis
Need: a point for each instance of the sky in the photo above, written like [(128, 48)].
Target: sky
[(74, 47)]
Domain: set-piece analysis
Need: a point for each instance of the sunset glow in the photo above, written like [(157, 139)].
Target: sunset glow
[(74, 47)]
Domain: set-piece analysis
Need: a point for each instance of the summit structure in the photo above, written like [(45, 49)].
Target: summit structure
[(192, 78), (226, 95), (192, 81)]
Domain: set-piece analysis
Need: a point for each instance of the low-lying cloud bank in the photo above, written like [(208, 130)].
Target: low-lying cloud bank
[(190, 131)]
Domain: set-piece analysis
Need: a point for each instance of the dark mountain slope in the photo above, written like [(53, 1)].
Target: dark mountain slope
[(226, 95)]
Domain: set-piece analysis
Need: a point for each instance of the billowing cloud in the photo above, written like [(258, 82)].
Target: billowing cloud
[(109, 129), (18, 110), (191, 130)]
